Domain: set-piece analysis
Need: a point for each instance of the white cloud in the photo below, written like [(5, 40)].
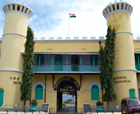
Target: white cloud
[(51, 17)]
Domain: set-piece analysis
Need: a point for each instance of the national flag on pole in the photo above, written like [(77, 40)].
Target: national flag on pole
[(72, 15)]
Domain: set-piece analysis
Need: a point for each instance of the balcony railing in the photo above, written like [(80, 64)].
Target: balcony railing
[(66, 68), (70, 68), (138, 67)]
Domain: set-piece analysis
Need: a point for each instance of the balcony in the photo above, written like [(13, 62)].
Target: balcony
[(66, 68)]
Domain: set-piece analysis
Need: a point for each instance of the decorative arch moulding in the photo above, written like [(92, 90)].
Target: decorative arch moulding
[(67, 78)]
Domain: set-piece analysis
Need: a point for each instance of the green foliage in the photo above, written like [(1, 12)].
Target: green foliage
[(34, 102), (107, 66), (102, 67), (98, 103), (25, 88), (67, 102)]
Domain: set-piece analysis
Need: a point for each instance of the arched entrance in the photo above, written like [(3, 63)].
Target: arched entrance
[(67, 94)]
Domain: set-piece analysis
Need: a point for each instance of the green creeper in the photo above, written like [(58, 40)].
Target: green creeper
[(25, 88), (107, 66)]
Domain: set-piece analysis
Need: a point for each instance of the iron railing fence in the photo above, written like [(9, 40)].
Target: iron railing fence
[(106, 108), (99, 109), (11, 108), (68, 68)]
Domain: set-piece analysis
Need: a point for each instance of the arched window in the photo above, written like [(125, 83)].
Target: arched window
[(39, 92), (131, 93), (1, 97), (95, 92)]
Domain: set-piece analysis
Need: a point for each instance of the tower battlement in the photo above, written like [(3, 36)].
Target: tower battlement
[(19, 8), (120, 6)]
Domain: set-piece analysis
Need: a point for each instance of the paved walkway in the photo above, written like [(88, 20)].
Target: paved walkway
[(68, 108)]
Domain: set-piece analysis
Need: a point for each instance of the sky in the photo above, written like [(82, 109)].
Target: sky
[(51, 17)]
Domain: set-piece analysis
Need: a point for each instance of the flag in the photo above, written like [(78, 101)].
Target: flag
[(72, 15)]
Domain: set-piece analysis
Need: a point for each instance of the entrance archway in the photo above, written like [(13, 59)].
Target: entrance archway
[(67, 94)]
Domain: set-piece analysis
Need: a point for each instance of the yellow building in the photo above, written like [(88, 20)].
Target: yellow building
[(67, 65)]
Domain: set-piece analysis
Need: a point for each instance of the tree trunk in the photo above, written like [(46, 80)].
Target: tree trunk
[(107, 106), (102, 97), (24, 106), (30, 102)]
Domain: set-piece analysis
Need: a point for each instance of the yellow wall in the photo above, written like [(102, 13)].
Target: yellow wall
[(66, 47), (136, 46), (85, 97), (95, 49), (16, 22), (120, 21), (87, 80), (124, 55), (122, 89), (11, 58), (51, 97), (9, 82)]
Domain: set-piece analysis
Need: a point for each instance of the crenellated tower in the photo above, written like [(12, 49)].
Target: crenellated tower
[(118, 15), (11, 63)]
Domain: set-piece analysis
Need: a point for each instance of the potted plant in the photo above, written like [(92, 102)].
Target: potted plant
[(34, 104), (99, 106)]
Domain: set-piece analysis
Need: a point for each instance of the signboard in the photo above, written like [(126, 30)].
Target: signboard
[(121, 79), (67, 78), (45, 107), (66, 89)]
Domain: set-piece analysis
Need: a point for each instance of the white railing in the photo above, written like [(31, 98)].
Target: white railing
[(76, 38), (70, 38)]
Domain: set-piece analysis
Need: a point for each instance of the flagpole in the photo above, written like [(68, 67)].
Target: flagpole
[(68, 25)]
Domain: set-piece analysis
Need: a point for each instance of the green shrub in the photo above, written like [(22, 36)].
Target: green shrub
[(34, 102), (98, 103), (68, 101)]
